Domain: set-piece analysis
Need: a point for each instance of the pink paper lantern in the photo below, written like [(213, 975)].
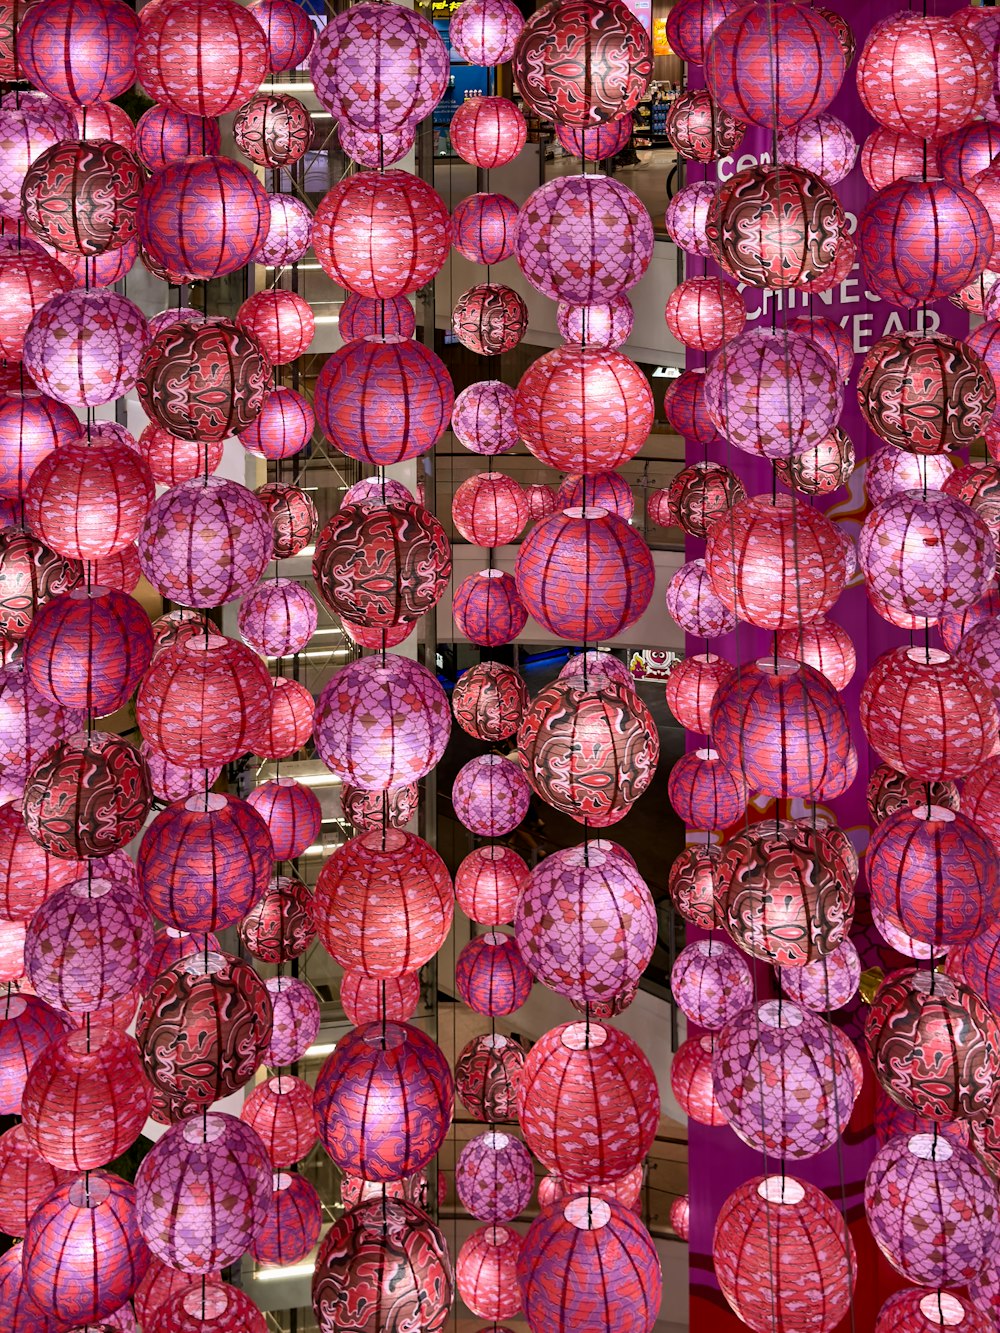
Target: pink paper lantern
[(370, 999), (281, 321), (494, 1177), (170, 946), (826, 983), (212, 1307), (89, 500), (483, 228), (711, 983), (490, 795), (289, 229), (822, 644), (486, 1272), (694, 604), (203, 58), (490, 975), (601, 490), (164, 136), (703, 313), (686, 409), (822, 144), (25, 1181), (31, 426), (489, 509), (601, 324), (283, 427), (296, 1020), (289, 33), (926, 1311), (488, 609), (699, 130), (280, 1110), (293, 1223), (291, 812), (704, 793), (830, 338), (287, 722), (488, 132), (691, 1081), (489, 701), (686, 218), (485, 32), (85, 347), (393, 807), (29, 726), (375, 150), (278, 618), (692, 687), (366, 317), (488, 883), (489, 319), (172, 461), (58, 190), (889, 155)]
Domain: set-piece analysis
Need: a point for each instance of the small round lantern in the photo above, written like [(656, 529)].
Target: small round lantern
[(296, 1020), (293, 1223), (494, 1177), (371, 999), (278, 618), (289, 230), (489, 701), (700, 131), (282, 429), (488, 883), (486, 1272), (484, 32), (603, 324), (826, 983), (711, 983), (273, 130), (483, 418), (483, 228), (292, 813), (487, 1076), (488, 132), (491, 976), (701, 494), (292, 515), (488, 609), (490, 319), (287, 721), (393, 807), (821, 468), (280, 925), (490, 795), (704, 793), (694, 886), (80, 196), (703, 313), (172, 461), (164, 136), (822, 144), (280, 1110), (281, 321), (889, 155)]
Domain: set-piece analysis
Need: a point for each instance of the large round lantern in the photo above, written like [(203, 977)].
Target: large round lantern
[(932, 1209), (783, 726), (361, 389), (203, 217), (80, 196), (934, 1045), (382, 234), (775, 563), (387, 1260), (774, 69), (588, 1264), (86, 1099), (711, 983), (924, 75), (566, 75), (83, 1254), (203, 1193), (28, 1027), (487, 1076), (783, 1082), (78, 53), (704, 793), (563, 239), (585, 924), (384, 1101), (925, 1311), (490, 795), (204, 381), (584, 576), (384, 903), (583, 409), (278, 618), (588, 1101), (928, 714), (29, 726), (486, 1272), (494, 1177), (204, 701), (589, 752), (204, 861), (489, 701), (293, 1224), (780, 1244), (31, 425), (164, 136), (85, 347), (205, 58)]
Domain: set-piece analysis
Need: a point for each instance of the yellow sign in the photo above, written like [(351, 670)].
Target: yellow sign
[(661, 47)]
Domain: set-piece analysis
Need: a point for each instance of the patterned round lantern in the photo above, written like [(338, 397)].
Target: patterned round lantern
[(781, 1245), (375, 150), (775, 563), (487, 608), (680, 1217), (488, 132), (924, 75), (86, 1099), (489, 509), (928, 714), (490, 319), (383, 904), (823, 145), (701, 131), (490, 795), (694, 887), (287, 722), (164, 136), (889, 155), (80, 196), (78, 53), (483, 418), (382, 234), (926, 393), (392, 807), (965, 153), (483, 228), (932, 1210), (588, 1264), (541, 499), (31, 426), (24, 135), (583, 239), (626, 1190), (703, 313), (29, 727), (822, 644), (291, 812), (691, 23), (280, 924), (203, 58), (488, 883), (486, 1272), (384, 1101), (289, 230), (296, 1020), (601, 490), (494, 1177), (691, 689), (588, 1101), (490, 975), (583, 409), (686, 218), (568, 76), (711, 983), (87, 944), (484, 32), (890, 470), (281, 321), (30, 574), (826, 983), (283, 427), (584, 576), (217, 1168), (387, 1260), (363, 317), (293, 1224), (929, 1312), (370, 999), (935, 1048), (603, 324), (686, 409), (83, 1256), (204, 861), (921, 240), (821, 468), (292, 515), (381, 722), (28, 1027), (172, 461), (830, 338), (360, 391), (27, 281), (204, 381), (27, 1178), (774, 394), (278, 619), (783, 1082), (280, 1110), (489, 701), (775, 226), (273, 129), (85, 347), (487, 1076), (702, 493), (783, 726), (207, 1307), (890, 790), (89, 796), (704, 793)]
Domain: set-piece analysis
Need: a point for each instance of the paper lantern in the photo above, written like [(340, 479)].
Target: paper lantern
[(203, 58), (486, 1272), (935, 1051), (369, 999), (489, 509), (601, 324), (830, 338), (691, 23), (489, 701), (80, 197), (711, 983), (27, 1178), (296, 1020), (283, 428), (483, 228), (25, 133), (588, 1101), (85, 347), (28, 1027), (375, 150), (487, 1076), (172, 461), (289, 33), (932, 1210), (491, 976), (926, 76), (204, 701), (589, 1264), (83, 1256), (699, 130), (781, 1248), (273, 130), (171, 946), (281, 321), (488, 609), (889, 155), (704, 793), (541, 499), (164, 136), (487, 132), (384, 1101), (381, 722), (775, 226), (686, 409), (278, 619), (288, 720), (889, 471), (280, 1110), (822, 144), (490, 795), (217, 1168), (586, 925), (29, 726), (686, 218), (392, 807), (384, 1260), (691, 689), (565, 77), (494, 1177), (924, 1311), (178, 626), (382, 235), (693, 885), (583, 239), (27, 281), (85, 1098), (965, 153), (701, 494), (289, 230), (209, 1307), (691, 1081), (826, 983), (703, 313), (291, 812), (365, 317), (33, 425), (204, 381), (280, 924), (783, 726), (359, 393), (292, 515), (488, 883), (489, 319), (383, 904), (957, 721), (30, 574), (821, 468), (890, 790), (601, 490), (484, 32), (483, 418), (822, 644), (78, 54), (293, 1224)]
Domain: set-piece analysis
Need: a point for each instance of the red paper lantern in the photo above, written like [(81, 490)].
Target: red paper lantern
[(486, 1272), (488, 883), (691, 23), (78, 53), (693, 885), (691, 689), (293, 1224), (164, 136), (289, 33), (287, 723), (159, 1285), (487, 608), (482, 229), (364, 317), (383, 904), (25, 1180), (491, 976), (372, 999), (703, 313), (685, 408), (701, 131), (281, 1112), (822, 644), (172, 461), (273, 130), (602, 490), (283, 428), (889, 155), (210, 1307), (28, 1027), (205, 58), (484, 32), (489, 509), (281, 321), (488, 132), (704, 793), (27, 281), (292, 813)]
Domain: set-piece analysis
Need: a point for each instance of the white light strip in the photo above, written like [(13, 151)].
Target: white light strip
[(275, 1274), (323, 1048), (319, 780)]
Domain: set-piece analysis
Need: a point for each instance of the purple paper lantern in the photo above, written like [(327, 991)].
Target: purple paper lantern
[(381, 722), (288, 29), (825, 983), (289, 231), (482, 228), (932, 1209), (494, 1177), (203, 1193), (483, 418), (711, 983), (686, 218), (282, 429), (594, 669), (27, 1027), (485, 32), (292, 813), (278, 618), (175, 782), (596, 143), (205, 542), (488, 609), (296, 1020), (368, 317), (491, 795), (583, 238), (890, 470), (490, 975), (694, 604), (79, 53), (164, 136), (823, 145), (601, 490), (602, 324), (384, 1101), (585, 924), (293, 1222), (24, 136), (85, 347), (30, 725), (374, 150)]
